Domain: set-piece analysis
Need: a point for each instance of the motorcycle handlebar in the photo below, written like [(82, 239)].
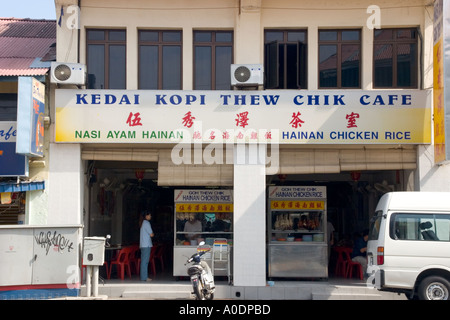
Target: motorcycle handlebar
[(197, 253), (107, 244)]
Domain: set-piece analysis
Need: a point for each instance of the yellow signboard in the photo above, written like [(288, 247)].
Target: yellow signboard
[(300, 205), (440, 149), (438, 104), (204, 207)]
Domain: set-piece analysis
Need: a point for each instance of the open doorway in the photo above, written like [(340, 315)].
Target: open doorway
[(117, 193)]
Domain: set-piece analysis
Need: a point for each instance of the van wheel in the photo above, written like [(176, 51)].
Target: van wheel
[(434, 288)]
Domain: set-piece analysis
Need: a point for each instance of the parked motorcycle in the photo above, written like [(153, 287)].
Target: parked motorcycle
[(201, 275)]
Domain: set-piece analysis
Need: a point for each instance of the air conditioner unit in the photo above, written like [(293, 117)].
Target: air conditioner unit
[(68, 73), (247, 75)]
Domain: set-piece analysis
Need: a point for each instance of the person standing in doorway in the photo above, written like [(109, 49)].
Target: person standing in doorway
[(145, 244)]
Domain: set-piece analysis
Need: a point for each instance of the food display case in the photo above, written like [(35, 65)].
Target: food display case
[(297, 235), (200, 215)]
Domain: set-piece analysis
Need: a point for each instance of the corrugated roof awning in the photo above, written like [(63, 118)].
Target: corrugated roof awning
[(21, 186), (27, 46)]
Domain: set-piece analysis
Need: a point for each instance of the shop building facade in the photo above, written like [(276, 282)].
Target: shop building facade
[(345, 103), (35, 252)]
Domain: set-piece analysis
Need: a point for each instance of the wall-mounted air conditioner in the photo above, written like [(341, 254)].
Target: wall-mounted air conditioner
[(68, 73), (247, 75)]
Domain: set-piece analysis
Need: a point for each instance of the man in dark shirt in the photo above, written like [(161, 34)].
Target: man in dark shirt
[(359, 253)]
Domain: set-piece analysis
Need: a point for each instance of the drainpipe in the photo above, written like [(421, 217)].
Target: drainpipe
[(79, 31), (421, 74)]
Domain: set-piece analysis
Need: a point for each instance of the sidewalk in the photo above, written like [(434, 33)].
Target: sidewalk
[(169, 289)]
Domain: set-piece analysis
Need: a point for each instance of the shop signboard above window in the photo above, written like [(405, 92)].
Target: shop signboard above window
[(11, 163), (201, 196), (285, 117), (30, 117), (303, 192)]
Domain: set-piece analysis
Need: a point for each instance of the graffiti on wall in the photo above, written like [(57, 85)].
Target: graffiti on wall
[(55, 241)]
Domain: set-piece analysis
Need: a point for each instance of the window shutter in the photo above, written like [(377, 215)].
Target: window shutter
[(272, 65)]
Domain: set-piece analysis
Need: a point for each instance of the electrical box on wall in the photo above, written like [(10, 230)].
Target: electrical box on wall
[(93, 251)]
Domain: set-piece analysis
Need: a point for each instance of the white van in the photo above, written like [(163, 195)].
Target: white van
[(408, 250)]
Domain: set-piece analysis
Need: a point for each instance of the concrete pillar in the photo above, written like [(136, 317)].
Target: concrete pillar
[(249, 240), (132, 58), (65, 184), (249, 50), (428, 175)]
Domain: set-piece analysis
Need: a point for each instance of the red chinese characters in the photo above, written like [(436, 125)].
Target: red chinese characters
[(188, 120), (351, 118), (296, 121), (134, 119), (242, 119)]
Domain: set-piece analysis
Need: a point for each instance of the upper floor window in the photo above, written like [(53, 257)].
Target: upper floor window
[(285, 59), (106, 59), (160, 56), (8, 107), (395, 58), (213, 56), (339, 58)]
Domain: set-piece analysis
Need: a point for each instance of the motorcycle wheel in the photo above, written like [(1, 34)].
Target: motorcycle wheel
[(209, 296), (198, 290)]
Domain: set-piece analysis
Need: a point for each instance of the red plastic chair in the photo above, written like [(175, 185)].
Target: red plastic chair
[(135, 260), (122, 263), (151, 262), (355, 267), (352, 266), (157, 254), (341, 261)]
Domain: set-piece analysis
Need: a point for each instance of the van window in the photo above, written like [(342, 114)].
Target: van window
[(423, 227), (374, 229)]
